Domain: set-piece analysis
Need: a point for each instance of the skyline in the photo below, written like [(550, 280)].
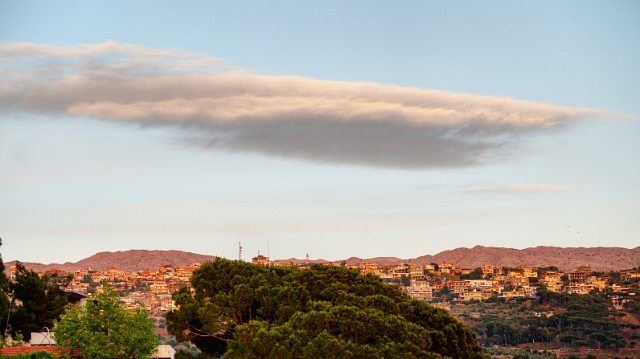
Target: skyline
[(414, 132)]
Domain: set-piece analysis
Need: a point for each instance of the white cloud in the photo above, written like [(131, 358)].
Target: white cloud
[(289, 116)]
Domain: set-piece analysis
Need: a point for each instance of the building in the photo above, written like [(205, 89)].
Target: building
[(442, 305), (260, 260), (618, 302), (577, 276), (584, 269), (513, 294), (422, 291), (488, 269), (42, 338), (629, 274), (579, 288), (164, 352), (598, 282), (283, 263), (480, 283), (470, 295), (530, 292), (459, 286)]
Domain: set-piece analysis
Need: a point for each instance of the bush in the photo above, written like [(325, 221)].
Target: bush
[(34, 355)]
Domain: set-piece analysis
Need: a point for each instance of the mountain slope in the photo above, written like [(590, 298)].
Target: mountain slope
[(599, 258), (132, 260)]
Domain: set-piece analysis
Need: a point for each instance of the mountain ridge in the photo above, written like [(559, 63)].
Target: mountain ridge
[(565, 258)]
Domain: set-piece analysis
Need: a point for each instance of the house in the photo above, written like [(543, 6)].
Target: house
[(283, 263), (579, 288), (618, 302), (470, 295), (554, 286), (459, 286), (513, 294), (260, 260), (480, 283), (629, 274), (164, 352), (422, 291), (577, 276), (446, 267), (598, 282), (488, 269), (530, 292), (442, 305), (585, 269)]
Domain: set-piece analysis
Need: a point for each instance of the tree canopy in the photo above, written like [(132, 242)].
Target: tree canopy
[(243, 310), (4, 298), (103, 328), (37, 302), (578, 321)]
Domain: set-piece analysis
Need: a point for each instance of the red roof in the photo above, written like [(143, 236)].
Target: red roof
[(56, 350)]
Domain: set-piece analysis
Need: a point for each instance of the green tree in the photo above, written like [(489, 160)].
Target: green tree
[(37, 304), (243, 310), (475, 274), (4, 295), (103, 328), (34, 355)]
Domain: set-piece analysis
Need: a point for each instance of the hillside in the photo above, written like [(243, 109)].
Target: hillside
[(133, 260), (600, 258)]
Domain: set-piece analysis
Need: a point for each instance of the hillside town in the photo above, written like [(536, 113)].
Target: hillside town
[(442, 284), (446, 283), (477, 296)]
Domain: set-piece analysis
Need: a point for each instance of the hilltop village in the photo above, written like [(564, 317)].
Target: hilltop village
[(510, 309), (442, 284)]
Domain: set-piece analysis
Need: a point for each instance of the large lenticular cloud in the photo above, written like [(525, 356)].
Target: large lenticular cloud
[(295, 117)]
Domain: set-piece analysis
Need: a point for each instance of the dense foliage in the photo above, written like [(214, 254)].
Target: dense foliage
[(579, 320), (34, 355), (103, 328), (475, 274), (244, 310), (35, 301), (4, 298)]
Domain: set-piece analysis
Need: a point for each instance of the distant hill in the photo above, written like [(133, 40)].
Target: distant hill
[(132, 260), (599, 258)]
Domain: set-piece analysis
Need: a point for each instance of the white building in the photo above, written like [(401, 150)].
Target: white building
[(164, 352)]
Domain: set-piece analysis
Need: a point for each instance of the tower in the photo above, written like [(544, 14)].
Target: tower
[(239, 251)]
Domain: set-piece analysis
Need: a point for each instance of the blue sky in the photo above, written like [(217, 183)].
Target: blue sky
[(72, 185)]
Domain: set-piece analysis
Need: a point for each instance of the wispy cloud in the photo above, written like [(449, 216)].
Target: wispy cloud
[(522, 188), (288, 116)]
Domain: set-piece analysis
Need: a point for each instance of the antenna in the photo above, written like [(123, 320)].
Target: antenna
[(268, 250), (239, 251)]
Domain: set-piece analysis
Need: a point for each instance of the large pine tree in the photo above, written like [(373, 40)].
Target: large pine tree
[(241, 310)]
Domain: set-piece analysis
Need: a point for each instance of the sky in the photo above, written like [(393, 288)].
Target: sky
[(332, 128)]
